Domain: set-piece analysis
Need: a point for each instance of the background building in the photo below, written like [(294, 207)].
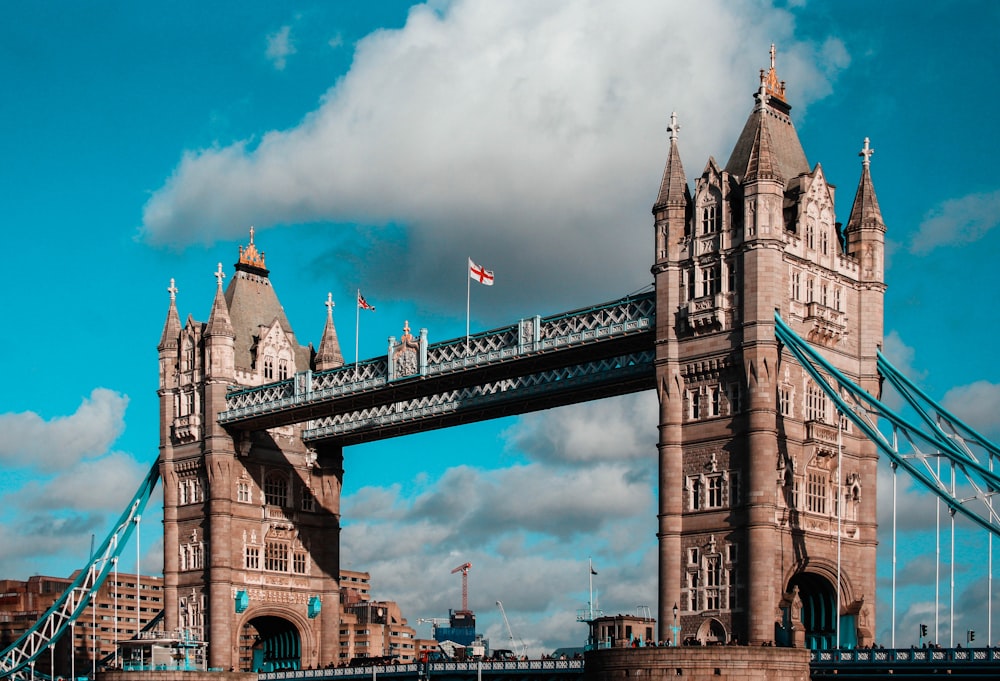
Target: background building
[(123, 606)]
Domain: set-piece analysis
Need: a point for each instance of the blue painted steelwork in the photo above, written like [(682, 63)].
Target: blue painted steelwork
[(935, 436), (19, 655), (528, 339)]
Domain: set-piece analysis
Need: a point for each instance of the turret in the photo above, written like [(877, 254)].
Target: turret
[(329, 355)]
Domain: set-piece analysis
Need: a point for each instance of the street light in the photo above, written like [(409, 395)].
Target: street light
[(675, 628)]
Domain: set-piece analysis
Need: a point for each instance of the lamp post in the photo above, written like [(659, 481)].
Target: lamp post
[(675, 628)]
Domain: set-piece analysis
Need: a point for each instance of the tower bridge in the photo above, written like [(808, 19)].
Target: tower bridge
[(767, 497)]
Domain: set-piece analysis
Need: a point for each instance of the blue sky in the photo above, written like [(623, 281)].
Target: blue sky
[(378, 145)]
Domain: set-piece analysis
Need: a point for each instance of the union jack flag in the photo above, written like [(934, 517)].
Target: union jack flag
[(363, 304)]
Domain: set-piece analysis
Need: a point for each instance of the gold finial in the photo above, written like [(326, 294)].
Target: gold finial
[(406, 331), (250, 255), (775, 88)]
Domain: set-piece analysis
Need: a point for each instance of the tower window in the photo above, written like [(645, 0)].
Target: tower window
[(276, 557), (243, 492), (816, 491), (282, 369), (308, 500), (708, 219), (276, 490), (268, 368), (251, 556)]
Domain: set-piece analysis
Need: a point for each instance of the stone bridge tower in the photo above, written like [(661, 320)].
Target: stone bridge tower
[(251, 521), (751, 496)]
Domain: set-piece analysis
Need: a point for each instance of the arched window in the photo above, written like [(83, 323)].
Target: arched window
[(276, 490), (268, 368)]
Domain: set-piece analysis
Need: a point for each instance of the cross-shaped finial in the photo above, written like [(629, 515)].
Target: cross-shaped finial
[(329, 304), (866, 152), (674, 125), (251, 234), (172, 290), (220, 275), (772, 56)]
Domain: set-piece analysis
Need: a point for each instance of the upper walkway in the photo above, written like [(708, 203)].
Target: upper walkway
[(537, 363)]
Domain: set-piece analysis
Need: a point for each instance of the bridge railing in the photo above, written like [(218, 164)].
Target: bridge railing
[(610, 320), (433, 668), (905, 656)]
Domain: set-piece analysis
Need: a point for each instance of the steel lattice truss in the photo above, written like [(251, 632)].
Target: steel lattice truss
[(920, 445), (457, 372), (18, 657), (519, 394)]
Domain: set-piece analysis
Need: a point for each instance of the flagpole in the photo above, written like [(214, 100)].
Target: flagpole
[(357, 323), (468, 295)]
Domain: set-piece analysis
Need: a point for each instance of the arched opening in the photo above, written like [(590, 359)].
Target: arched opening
[(712, 633), (269, 644), (817, 609)]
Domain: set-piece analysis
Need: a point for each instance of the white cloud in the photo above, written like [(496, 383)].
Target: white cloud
[(976, 404), (280, 47), (29, 441), (531, 133), (616, 429), (958, 221)]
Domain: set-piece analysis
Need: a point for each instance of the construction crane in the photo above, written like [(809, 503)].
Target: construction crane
[(464, 569), (434, 622), (523, 651)]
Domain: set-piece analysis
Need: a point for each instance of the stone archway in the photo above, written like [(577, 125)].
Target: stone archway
[(712, 632), (269, 643), (814, 609)]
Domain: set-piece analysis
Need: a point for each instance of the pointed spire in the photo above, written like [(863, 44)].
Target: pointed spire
[(865, 212), (673, 186), (329, 355), (172, 327), (761, 164), (771, 111), (219, 323)]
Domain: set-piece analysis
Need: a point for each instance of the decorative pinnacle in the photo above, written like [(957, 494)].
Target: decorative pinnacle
[(761, 95), (220, 275), (173, 290), (329, 305), (674, 126), (250, 255), (866, 152)]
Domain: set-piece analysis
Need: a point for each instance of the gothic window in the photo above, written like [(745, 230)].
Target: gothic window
[(251, 557), (697, 493), (182, 492), (824, 241), (710, 280), (276, 490), (735, 398), (796, 285), (308, 500), (785, 399), (836, 299), (188, 401), (810, 234), (713, 580), (692, 590), (816, 404), (708, 219), (243, 492), (276, 556), (282, 369), (816, 491), (734, 489), (823, 295), (732, 280), (694, 398), (715, 491), (268, 368), (693, 555), (299, 562), (716, 401), (810, 289), (684, 275)]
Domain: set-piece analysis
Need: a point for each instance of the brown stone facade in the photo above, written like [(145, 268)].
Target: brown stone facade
[(761, 481), (734, 663), (251, 520)]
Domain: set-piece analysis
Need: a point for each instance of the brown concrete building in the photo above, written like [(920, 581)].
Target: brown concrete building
[(371, 629), (750, 486), (251, 522), (124, 605)]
